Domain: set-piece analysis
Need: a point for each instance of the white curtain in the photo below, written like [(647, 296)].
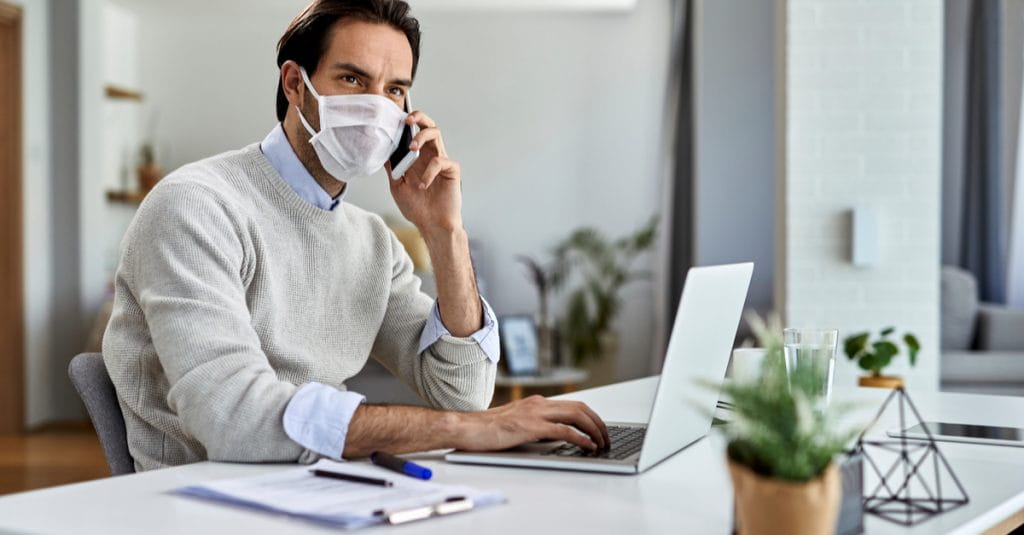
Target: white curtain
[(1015, 264)]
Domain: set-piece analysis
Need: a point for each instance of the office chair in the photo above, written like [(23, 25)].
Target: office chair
[(89, 375)]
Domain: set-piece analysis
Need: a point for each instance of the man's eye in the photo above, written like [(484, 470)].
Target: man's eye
[(397, 91), (350, 79)]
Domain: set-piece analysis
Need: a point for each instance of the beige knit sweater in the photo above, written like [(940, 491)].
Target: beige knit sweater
[(232, 292)]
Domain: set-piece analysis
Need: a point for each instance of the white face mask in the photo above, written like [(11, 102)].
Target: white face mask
[(357, 132)]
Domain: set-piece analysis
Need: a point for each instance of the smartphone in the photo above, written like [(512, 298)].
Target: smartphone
[(403, 158), (974, 434)]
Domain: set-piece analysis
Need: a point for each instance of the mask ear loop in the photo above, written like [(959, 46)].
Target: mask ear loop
[(312, 90)]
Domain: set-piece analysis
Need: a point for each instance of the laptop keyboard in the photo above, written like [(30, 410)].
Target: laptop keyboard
[(625, 441)]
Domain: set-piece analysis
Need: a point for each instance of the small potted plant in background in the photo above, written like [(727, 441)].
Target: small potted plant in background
[(782, 442), (543, 279), (149, 173), (875, 355)]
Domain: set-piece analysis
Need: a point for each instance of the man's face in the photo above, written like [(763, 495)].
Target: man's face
[(359, 57), (363, 57)]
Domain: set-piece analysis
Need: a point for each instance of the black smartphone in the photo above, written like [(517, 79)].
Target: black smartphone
[(403, 158)]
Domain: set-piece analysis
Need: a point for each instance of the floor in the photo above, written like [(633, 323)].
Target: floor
[(55, 455)]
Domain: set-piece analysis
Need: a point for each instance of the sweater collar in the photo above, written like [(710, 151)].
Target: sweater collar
[(281, 156)]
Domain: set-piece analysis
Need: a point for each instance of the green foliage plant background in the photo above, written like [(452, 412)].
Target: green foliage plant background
[(875, 355), (598, 268)]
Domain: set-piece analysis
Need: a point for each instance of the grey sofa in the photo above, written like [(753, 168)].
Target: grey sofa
[(982, 344)]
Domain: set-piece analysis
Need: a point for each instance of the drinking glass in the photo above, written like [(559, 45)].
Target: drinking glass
[(814, 348), (747, 363)]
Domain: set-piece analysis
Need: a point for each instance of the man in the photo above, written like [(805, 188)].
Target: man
[(249, 291)]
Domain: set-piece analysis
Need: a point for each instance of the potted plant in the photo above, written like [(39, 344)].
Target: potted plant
[(600, 268), (782, 442), (875, 355), (149, 173), (543, 279)]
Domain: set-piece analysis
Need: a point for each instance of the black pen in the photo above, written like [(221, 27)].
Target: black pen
[(400, 465), (353, 478)]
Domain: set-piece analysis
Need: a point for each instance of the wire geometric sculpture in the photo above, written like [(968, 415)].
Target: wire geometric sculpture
[(904, 503)]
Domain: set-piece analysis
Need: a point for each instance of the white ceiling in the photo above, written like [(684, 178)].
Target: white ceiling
[(418, 5)]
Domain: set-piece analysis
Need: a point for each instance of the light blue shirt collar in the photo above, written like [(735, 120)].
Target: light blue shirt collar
[(277, 149)]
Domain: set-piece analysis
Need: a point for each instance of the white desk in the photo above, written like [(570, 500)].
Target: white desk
[(688, 493)]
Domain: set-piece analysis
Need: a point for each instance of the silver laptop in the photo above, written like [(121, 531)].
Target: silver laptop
[(698, 350)]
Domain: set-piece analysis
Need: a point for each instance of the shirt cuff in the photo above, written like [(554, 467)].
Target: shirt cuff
[(486, 337), (317, 418)]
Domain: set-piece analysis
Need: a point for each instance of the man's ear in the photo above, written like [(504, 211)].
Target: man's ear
[(292, 84)]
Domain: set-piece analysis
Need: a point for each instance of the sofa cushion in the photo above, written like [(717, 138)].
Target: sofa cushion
[(1000, 328), (959, 308)]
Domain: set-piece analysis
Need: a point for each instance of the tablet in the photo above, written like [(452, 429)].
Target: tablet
[(969, 433)]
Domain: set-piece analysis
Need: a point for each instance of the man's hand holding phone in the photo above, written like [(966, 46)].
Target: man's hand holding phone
[(429, 194)]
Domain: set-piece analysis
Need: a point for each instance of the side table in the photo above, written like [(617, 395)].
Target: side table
[(564, 378)]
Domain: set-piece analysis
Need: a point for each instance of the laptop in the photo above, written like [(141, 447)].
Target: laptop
[(698, 351)]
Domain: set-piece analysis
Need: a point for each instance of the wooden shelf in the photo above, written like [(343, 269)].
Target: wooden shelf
[(118, 92), (127, 197)]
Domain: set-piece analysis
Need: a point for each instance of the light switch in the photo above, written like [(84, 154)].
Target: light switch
[(864, 239)]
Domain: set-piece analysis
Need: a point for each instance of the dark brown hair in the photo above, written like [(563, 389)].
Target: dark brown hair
[(305, 39)]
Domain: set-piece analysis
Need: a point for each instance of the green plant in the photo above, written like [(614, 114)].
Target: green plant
[(875, 355), (781, 427), (603, 268), (542, 280)]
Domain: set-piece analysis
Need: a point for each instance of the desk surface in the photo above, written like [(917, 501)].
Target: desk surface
[(689, 492)]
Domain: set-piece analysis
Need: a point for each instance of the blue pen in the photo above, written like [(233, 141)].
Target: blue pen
[(400, 465)]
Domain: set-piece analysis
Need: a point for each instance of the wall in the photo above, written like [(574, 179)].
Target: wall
[(71, 232), (109, 139), (863, 114), (554, 116), (111, 136), (734, 137), (65, 327), (36, 190)]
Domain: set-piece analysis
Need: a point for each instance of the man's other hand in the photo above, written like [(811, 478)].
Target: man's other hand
[(531, 419)]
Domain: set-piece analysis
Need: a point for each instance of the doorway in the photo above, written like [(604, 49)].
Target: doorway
[(12, 359)]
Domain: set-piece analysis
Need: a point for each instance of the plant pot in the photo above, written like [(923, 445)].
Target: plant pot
[(767, 506), (545, 346), (880, 381), (149, 175)]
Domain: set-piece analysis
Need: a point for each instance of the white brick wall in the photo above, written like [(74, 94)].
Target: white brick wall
[(862, 118)]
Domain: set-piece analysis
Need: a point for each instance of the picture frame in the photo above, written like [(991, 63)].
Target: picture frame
[(519, 345)]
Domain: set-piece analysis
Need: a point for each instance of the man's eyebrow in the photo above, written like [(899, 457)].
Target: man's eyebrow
[(357, 70)]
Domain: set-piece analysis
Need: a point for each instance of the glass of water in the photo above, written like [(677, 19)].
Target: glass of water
[(815, 349)]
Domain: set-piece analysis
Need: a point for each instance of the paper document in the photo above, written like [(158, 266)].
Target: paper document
[(297, 492)]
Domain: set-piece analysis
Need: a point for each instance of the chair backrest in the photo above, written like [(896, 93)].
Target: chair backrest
[(89, 375)]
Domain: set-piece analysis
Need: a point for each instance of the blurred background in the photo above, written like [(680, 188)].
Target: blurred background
[(863, 153)]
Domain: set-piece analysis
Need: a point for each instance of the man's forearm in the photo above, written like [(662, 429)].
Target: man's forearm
[(399, 429), (457, 294)]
